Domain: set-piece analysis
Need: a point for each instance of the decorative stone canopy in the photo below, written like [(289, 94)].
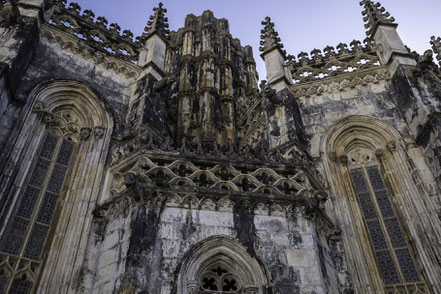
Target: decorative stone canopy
[(374, 15)]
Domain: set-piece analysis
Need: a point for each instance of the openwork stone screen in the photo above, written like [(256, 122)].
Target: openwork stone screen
[(394, 259), (219, 280)]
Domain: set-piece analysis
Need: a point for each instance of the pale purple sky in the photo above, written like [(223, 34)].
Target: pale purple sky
[(302, 24)]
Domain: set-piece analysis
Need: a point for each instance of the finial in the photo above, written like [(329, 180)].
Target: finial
[(436, 47), (269, 37), (157, 23), (374, 15)]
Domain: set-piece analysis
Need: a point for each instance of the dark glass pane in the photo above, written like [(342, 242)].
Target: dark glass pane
[(39, 172), (15, 235), (387, 268), (395, 234), (367, 206), (377, 235), (21, 286), (36, 241), (359, 181), (407, 265), (384, 203), (375, 178), (27, 204), (65, 153), (48, 147), (57, 179), (47, 208)]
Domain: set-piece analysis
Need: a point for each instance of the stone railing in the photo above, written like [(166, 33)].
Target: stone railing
[(95, 32), (332, 61)]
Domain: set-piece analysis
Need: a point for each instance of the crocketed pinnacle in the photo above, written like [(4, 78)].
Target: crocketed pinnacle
[(374, 15), (436, 47), (157, 23), (269, 37)]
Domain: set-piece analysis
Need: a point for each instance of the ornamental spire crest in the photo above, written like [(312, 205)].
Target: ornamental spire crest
[(269, 37), (436, 47), (158, 23), (374, 15)]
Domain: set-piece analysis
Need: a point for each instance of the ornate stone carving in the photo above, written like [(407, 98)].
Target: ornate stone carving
[(391, 146), (333, 157), (193, 288), (99, 132), (374, 15), (343, 159), (251, 290), (85, 133), (269, 37), (360, 156), (339, 83), (381, 154)]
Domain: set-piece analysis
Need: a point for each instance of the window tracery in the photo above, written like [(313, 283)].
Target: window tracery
[(394, 260), (218, 280), (60, 129)]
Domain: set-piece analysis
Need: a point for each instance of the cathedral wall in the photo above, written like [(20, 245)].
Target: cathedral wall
[(293, 251), (319, 113)]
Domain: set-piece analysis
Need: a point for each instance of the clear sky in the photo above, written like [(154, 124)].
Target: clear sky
[(302, 24)]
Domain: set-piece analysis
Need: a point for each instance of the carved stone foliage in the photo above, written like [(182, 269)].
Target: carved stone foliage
[(374, 15), (63, 120), (269, 37), (96, 33), (331, 63), (157, 23), (341, 83)]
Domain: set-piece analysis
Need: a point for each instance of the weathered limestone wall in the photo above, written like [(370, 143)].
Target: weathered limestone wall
[(147, 252), (104, 263), (320, 112)]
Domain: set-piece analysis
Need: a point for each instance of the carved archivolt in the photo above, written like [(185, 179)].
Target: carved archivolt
[(70, 114), (221, 264)]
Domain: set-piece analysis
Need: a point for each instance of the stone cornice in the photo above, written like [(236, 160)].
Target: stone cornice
[(78, 47), (340, 83)]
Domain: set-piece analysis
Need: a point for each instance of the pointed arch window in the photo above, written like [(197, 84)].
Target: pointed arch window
[(221, 266), (389, 245), (60, 133)]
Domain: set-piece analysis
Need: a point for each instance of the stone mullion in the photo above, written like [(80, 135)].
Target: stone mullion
[(368, 283)]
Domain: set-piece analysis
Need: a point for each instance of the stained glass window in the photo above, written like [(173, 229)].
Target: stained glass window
[(26, 234), (394, 260)]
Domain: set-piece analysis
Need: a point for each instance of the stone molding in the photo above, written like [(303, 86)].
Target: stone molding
[(340, 83), (81, 49)]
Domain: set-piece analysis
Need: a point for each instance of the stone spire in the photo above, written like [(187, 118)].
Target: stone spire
[(436, 47), (269, 37), (374, 15), (157, 23)]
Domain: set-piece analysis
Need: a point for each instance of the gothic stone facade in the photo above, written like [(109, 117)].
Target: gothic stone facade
[(158, 165)]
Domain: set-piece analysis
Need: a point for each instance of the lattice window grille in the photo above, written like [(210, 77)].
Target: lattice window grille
[(26, 235), (394, 259)]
